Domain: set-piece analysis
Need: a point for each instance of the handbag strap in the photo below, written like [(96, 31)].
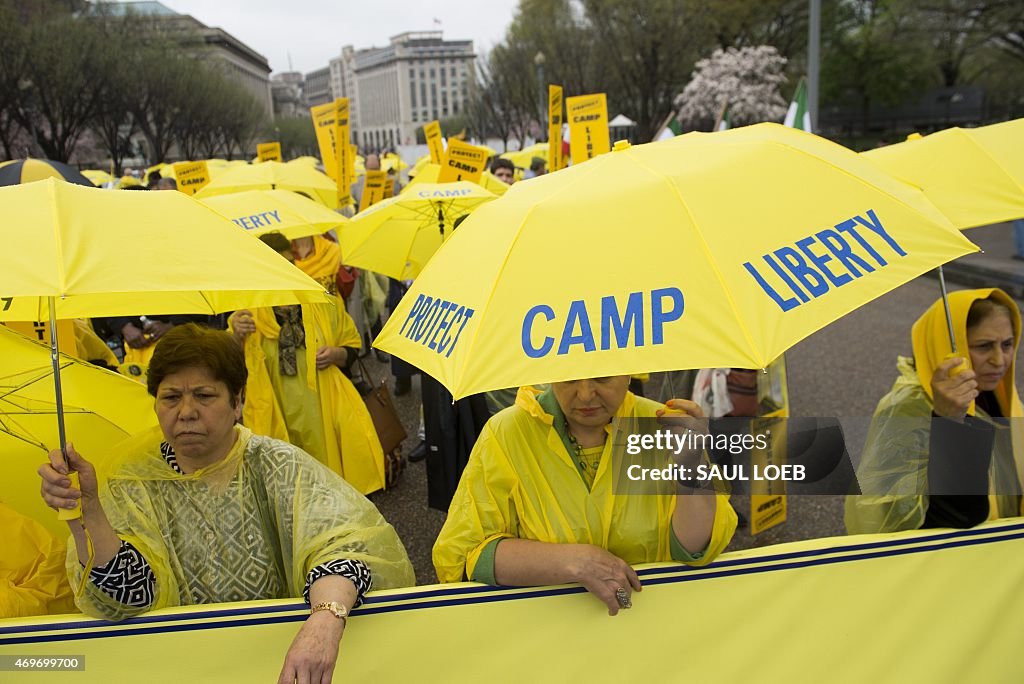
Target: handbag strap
[(372, 381)]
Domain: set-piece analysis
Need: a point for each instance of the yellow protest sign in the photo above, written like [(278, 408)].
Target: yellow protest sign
[(269, 151), (463, 161), (323, 123), (40, 331), (192, 176), (588, 126), (432, 133), (768, 497), (373, 188), (556, 160), (344, 159), (389, 187)]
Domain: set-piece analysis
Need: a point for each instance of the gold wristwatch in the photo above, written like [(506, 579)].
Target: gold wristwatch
[(334, 608)]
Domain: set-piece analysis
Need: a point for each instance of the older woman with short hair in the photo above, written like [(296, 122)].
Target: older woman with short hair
[(536, 503), (204, 511)]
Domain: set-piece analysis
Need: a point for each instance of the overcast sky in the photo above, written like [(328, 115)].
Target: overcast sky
[(314, 31)]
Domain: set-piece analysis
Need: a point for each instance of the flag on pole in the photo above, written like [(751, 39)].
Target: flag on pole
[(670, 129), (723, 124), (798, 116)]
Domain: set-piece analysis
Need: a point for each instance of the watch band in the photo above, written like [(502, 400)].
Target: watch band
[(334, 608)]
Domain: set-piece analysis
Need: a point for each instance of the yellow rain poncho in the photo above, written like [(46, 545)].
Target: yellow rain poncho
[(521, 482), (893, 469), (249, 527), (89, 346), (32, 577), (319, 411)]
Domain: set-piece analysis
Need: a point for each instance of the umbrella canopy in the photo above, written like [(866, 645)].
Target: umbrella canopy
[(391, 161), (524, 157), (97, 176), (275, 211), (274, 176), (31, 170), (429, 172), (975, 176), (123, 253), (398, 235), (101, 408), (707, 250)]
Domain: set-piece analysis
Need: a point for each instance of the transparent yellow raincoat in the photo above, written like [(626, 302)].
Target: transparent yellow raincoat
[(521, 482), (248, 527), (32, 577), (321, 411), (895, 458)]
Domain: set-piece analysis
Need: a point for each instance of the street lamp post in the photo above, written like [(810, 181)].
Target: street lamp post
[(542, 120)]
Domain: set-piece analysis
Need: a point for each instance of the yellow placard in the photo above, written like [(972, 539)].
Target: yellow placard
[(768, 497), (343, 149), (40, 331), (269, 151), (373, 188), (192, 176), (845, 586), (323, 123), (556, 160), (389, 187), (463, 161), (353, 151), (432, 133), (588, 126)]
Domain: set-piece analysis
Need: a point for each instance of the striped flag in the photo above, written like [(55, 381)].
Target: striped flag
[(670, 129), (798, 115)]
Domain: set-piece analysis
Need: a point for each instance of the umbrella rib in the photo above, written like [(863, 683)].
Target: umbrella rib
[(998, 164), (710, 257)]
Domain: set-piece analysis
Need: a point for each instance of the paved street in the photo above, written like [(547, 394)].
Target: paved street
[(839, 371)]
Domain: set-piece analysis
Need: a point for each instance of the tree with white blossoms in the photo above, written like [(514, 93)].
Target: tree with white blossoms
[(745, 80)]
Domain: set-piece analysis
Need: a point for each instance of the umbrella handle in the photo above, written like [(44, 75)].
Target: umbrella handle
[(76, 512)]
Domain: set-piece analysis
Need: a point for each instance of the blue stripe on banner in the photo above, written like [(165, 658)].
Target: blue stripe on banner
[(950, 540)]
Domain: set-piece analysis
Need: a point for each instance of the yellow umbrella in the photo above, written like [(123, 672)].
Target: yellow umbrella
[(304, 161), (707, 250), (428, 174), (524, 157), (275, 211), (274, 176), (392, 161), (419, 165), (97, 176), (398, 235), (183, 258), (100, 409), (975, 176)]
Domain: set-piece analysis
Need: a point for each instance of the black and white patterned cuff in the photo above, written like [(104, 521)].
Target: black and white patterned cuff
[(353, 570), (127, 578)]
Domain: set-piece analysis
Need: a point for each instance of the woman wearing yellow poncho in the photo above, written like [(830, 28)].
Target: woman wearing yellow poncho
[(297, 391), (535, 504), (203, 511), (940, 452)]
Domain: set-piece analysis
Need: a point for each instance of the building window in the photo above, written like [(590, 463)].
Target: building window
[(414, 117), (412, 92), (444, 80)]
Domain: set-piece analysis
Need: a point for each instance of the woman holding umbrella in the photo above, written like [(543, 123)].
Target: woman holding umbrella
[(204, 511), (536, 504), (940, 451)]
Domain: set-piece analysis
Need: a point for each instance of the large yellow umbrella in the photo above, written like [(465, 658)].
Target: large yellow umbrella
[(397, 236), (100, 409), (274, 176), (429, 172), (975, 176), (275, 211), (98, 253), (707, 250), (97, 176)]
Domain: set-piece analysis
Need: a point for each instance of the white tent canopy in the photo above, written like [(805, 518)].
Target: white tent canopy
[(622, 120)]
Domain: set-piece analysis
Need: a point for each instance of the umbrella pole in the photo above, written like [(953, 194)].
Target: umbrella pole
[(440, 218), (55, 358), (945, 305)]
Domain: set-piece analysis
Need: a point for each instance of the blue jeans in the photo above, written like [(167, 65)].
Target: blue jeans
[(1018, 236)]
